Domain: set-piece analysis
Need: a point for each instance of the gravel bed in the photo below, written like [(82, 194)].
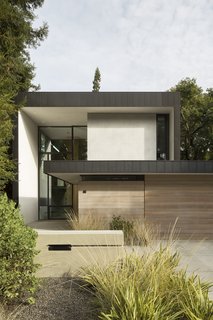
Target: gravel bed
[(60, 299)]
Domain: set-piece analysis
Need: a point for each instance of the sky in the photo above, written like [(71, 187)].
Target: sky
[(138, 45)]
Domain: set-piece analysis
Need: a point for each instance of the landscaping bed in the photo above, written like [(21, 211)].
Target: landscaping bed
[(58, 299)]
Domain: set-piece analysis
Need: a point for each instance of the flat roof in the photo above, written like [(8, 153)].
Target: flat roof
[(101, 99)]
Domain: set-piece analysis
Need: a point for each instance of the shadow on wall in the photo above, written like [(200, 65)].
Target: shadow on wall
[(32, 136), (29, 208)]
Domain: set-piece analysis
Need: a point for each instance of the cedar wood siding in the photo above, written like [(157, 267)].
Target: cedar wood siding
[(186, 197)]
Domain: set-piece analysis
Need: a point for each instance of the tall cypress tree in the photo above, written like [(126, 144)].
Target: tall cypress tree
[(97, 81), (17, 35)]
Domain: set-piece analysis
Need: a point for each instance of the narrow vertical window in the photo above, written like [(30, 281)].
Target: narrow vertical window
[(162, 136)]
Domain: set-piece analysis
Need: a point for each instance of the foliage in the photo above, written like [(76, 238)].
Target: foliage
[(196, 120), (146, 233), (6, 165), (136, 232), (97, 81), (149, 287), (17, 252), (16, 72), (119, 223)]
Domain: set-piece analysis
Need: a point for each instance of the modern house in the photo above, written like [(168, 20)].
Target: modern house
[(110, 153)]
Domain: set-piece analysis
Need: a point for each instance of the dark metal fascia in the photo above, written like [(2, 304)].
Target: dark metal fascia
[(128, 167)]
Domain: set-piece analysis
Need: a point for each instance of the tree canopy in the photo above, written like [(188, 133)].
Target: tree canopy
[(17, 35), (97, 81), (196, 120)]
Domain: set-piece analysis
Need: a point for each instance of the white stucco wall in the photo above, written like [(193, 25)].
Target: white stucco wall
[(28, 167), (121, 136)]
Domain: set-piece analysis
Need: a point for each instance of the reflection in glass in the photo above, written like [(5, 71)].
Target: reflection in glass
[(44, 142), (43, 212), (60, 192), (80, 143), (162, 137), (61, 150), (58, 143), (43, 181), (59, 212)]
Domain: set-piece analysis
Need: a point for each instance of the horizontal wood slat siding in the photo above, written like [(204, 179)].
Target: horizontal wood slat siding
[(186, 197), (112, 197)]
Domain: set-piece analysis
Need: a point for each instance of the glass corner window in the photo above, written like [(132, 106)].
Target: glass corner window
[(58, 143)]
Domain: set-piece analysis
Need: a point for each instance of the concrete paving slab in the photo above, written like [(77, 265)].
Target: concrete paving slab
[(196, 256)]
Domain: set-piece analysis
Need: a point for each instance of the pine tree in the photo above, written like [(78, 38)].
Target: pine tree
[(97, 81), (17, 35)]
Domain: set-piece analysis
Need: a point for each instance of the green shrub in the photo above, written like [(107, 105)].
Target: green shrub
[(193, 297), (149, 287), (137, 232), (17, 252), (127, 226)]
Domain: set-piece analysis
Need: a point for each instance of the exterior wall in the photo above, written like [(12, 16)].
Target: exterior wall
[(28, 167), (121, 136), (88, 248), (108, 198), (186, 197)]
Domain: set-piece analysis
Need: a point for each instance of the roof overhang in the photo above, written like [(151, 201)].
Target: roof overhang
[(77, 116), (71, 171), (71, 108)]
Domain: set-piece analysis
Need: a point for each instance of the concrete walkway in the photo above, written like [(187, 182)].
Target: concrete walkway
[(196, 255)]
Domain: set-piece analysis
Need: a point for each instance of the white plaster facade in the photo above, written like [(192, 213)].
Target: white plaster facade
[(121, 136), (28, 167)]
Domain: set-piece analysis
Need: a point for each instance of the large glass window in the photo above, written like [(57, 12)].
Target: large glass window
[(58, 143), (162, 136), (79, 143)]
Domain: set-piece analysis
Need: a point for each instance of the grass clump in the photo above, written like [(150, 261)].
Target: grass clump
[(136, 232), (86, 222), (17, 252), (149, 287)]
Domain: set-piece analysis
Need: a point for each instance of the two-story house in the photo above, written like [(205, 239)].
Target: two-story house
[(110, 153)]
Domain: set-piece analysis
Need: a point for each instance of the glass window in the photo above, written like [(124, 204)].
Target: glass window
[(59, 212), (43, 181), (58, 143), (162, 137), (43, 212), (60, 192), (79, 143), (44, 142)]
